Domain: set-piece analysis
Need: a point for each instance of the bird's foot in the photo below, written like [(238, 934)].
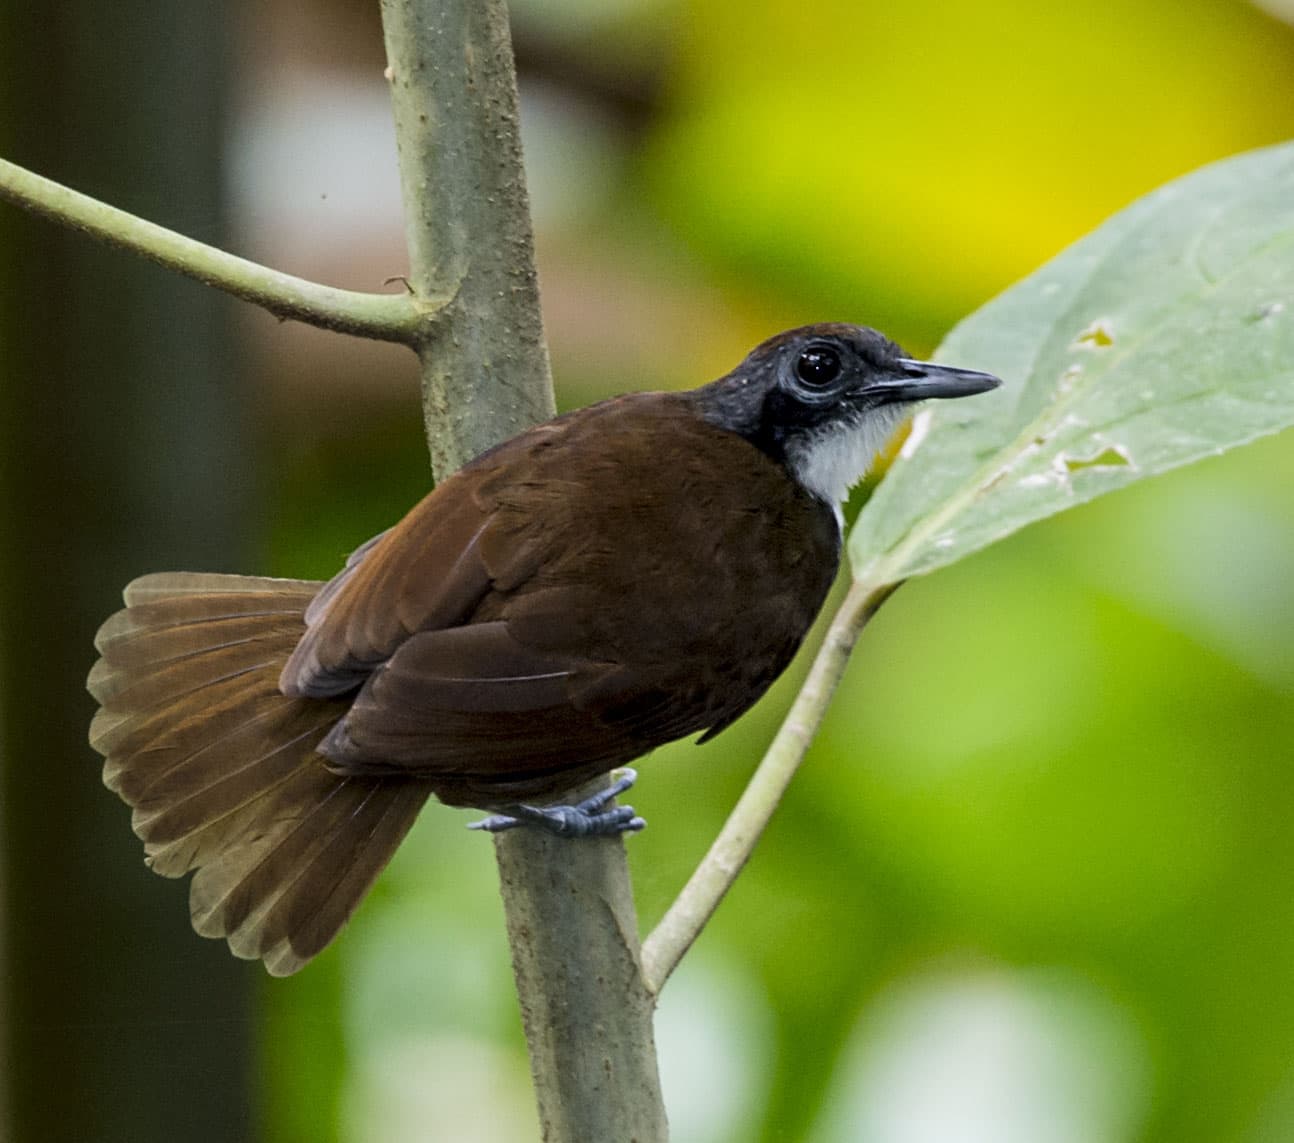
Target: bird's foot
[(584, 819)]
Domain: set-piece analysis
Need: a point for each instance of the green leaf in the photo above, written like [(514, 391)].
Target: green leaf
[(1164, 336)]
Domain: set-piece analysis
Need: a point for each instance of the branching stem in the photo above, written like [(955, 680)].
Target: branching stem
[(386, 317)]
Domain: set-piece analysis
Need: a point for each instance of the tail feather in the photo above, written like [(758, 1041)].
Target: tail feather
[(221, 768), (146, 744), (225, 594), (314, 927), (142, 672), (143, 635), (187, 798), (245, 882), (266, 895)]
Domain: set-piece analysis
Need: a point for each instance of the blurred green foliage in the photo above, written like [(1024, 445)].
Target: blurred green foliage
[(925, 155)]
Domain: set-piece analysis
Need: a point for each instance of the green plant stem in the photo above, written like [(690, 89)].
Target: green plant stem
[(485, 373), (571, 922), (695, 905), (586, 1011), (386, 317)]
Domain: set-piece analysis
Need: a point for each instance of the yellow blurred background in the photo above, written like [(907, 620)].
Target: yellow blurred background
[(1034, 884)]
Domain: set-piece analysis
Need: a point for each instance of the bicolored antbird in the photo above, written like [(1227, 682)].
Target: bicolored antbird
[(622, 576)]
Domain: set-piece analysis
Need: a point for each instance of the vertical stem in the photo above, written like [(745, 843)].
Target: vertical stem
[(586, 1011), (485, 373), (485, 376)]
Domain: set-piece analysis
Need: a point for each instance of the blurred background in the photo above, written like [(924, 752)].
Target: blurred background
[(1034, 884)]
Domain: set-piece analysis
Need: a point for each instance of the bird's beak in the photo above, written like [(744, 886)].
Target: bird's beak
[(919, 380)]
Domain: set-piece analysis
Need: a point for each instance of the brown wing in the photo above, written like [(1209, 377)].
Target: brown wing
[(423, 574), (510, 636)]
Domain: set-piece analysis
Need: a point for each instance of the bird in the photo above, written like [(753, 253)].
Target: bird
[(624, 575)]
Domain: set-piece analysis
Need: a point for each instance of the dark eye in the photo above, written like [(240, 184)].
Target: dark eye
[(817, 366)]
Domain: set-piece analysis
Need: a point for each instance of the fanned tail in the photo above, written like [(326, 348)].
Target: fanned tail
[(220, 767)]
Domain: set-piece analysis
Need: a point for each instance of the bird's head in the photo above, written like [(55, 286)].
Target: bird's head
[(821, 399)]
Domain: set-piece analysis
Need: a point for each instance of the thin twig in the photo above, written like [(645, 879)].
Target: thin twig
[(695, 905), (386, 317)]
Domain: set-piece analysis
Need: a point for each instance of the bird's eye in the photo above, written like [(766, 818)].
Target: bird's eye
[(818, 366)]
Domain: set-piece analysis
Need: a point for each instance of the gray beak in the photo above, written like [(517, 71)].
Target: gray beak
[(919, 380)]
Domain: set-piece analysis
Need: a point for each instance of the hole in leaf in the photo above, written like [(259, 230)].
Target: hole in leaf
[(1098, 335), (1111, 457)]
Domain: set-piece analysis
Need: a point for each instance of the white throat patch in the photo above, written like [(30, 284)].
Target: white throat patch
[(831, 461)]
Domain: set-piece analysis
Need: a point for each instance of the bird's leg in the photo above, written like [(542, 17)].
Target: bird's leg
[(584, 819)]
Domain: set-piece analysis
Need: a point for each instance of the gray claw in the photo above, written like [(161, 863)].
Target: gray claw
[(585, 819)]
